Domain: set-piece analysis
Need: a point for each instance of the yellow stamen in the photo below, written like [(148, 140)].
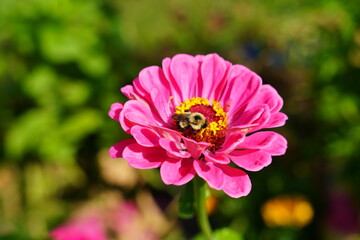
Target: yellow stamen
[(191, 102)]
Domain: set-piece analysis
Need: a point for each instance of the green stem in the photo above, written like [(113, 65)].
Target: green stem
[(200, 189)]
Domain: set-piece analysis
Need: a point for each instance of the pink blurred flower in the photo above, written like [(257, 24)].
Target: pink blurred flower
[(127, 213), (112, 219), (80, 229), (131, 224), (195, 115)]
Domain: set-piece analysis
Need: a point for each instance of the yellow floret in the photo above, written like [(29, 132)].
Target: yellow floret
[(191, 102)]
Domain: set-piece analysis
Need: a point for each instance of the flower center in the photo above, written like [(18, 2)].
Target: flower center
[(198, 119)]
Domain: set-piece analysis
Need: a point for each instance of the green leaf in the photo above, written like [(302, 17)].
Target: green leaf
[(65, 43), (27, 132), (228, 234), (94, 64), (80, 124), (74, 93), (222, 234), (186, 203), (40, 84)]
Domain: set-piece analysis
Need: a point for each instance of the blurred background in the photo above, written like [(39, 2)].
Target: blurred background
[(63, 62)]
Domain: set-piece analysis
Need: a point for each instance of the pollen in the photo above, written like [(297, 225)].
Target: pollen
[(214, 131)]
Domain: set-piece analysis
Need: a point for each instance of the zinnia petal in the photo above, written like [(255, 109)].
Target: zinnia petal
[(256, 117), (155, 83), (231, 142), (251, 160), (136, 113), (213, 70), (135, 92), (276, 120), (145, 136), (172, 149), (115, 111), (271, 142), (117, 150), (195, 148), (259, 140), (175, 90), (242, 85), (257, 150), (143, 157), (177, 172), (278, 146), (269, 96), (216, 158), (236, 182), (184, 69), (212, 174)]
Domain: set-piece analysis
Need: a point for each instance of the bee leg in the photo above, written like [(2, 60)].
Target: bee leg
[(182, 129)]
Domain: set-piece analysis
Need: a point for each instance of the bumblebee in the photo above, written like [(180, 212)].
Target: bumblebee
[(189, 119)]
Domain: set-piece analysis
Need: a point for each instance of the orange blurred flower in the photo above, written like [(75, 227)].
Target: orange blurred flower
[(287, 211), (211, 204)]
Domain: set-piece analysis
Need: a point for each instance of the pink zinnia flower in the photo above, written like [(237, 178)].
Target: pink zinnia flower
[(196, 115), (80, 229)]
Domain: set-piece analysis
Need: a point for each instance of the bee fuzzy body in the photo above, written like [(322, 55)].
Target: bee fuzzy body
[(189, 120)]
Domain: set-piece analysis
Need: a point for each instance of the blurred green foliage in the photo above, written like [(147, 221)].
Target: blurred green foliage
[(62, 63)]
